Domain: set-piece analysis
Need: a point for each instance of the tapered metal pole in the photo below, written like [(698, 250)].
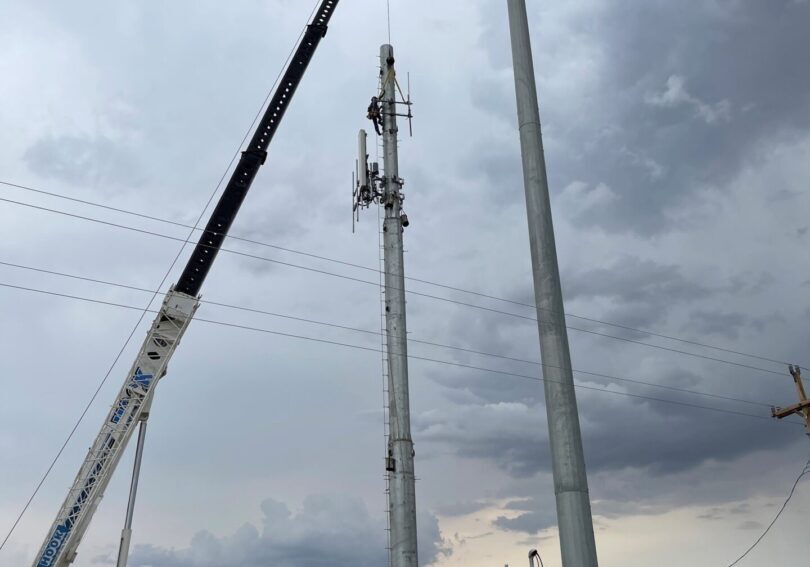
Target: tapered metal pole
[(568, 462), (126, 533), (400, 445)]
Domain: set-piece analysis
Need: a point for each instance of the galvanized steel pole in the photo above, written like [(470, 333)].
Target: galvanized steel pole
[(400, 446), (568, 461)]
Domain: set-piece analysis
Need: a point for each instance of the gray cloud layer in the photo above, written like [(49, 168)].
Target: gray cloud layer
[(677, 142), (326, 530), (677, 99)]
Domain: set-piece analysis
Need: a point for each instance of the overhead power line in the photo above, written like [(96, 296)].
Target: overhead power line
[(367, 268), (379, 333), (413, 357), (409, 292), (805, 471)]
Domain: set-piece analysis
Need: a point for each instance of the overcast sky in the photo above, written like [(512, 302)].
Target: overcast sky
[(677, 139)]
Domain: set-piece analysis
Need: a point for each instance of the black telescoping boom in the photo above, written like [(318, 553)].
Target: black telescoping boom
[(253, 157)]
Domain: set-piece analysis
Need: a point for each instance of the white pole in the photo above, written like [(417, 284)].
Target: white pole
[(400, 445), (126, 533), (568, 461)]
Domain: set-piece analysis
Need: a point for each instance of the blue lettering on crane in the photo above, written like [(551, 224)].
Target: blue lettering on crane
[(54, 547), (60, 535), (139, 380), (62, 531), (119, 410)]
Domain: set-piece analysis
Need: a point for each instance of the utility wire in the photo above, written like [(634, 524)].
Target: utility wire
[(778, 514), (367, 268), (146, 310), (376, 333), (412, 357), (206, 301), (413, 293)]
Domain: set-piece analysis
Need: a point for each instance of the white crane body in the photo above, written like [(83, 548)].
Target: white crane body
[(59, 550)]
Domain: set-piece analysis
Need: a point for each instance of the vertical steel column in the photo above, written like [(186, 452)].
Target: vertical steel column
[(400, 445), (126, 533), (568, 461)]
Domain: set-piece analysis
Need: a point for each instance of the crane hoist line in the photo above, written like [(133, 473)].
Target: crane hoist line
[(177, 310)]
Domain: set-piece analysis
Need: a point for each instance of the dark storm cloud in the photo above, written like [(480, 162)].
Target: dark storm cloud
[(510, 435), (634, 492), (681, 99), (490, 333), (326, 531), (462, 508), (640, 315), (538, 515), (619, 432), (717, 323), (531, 522), (633, 279), (501, 418), (473, 387), (750, 282), (641, 292), (498, 167), (637, 112), (670, 439)]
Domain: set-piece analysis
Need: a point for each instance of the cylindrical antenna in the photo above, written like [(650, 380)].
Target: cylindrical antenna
[(362, 160)]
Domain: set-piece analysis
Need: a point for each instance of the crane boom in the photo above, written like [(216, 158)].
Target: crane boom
[(176, 312)]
